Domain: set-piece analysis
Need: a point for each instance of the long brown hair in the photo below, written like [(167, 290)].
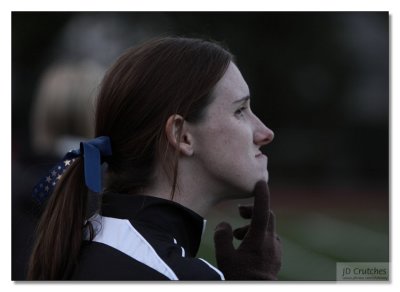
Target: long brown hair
[(145, 86)]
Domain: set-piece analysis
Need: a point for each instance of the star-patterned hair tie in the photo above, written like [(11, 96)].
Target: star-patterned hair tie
[(92, 152)]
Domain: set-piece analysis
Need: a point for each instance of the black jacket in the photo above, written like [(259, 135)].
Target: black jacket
[(144, 238)]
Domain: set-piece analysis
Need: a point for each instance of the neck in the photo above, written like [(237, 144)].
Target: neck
[(192, 191), (194, 200)]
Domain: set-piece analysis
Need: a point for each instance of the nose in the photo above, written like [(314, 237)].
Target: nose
[(263, 135)]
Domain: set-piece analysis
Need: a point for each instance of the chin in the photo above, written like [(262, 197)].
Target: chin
[(246, 191), (264, 176), (243, 187)]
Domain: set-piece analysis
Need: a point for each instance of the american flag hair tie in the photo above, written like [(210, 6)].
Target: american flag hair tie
[(92, 152)]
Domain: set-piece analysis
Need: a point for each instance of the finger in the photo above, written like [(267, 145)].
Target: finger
[(271, 222), (261, 205), (240, 233), (259, 219), (246, 211), (223, 238)]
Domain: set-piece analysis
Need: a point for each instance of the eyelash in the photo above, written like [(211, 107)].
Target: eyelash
[(240, 110)]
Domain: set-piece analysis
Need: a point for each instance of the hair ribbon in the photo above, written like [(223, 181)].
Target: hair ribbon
[(92, 152)]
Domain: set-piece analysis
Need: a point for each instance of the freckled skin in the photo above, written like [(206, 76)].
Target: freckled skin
[(229, 138)]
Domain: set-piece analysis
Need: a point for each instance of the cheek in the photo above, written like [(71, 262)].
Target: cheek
[(229, 150), (230, 139)]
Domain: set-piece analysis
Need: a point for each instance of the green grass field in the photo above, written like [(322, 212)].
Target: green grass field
[(318, 228)]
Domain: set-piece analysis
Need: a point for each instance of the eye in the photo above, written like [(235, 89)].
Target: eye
[(240, 111)]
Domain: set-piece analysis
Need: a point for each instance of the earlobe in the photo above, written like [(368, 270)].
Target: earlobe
[(178, 135)]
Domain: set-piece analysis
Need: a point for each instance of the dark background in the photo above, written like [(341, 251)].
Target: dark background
[(319, 80)]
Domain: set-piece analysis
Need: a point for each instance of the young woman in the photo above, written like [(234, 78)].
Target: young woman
[(175, 128)]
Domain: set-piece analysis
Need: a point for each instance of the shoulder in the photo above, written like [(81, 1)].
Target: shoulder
[(98, 261), (184, 265), (121, 252), (197, 269)]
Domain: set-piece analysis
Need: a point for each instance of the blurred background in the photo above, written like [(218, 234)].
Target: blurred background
[(319, 80)]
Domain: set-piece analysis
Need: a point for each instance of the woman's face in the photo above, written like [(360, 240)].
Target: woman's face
[(227, 142)]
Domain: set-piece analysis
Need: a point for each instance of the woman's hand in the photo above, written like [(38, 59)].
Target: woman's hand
[(258, 256)]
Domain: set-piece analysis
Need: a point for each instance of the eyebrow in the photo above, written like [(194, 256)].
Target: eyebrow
[(247, 97)]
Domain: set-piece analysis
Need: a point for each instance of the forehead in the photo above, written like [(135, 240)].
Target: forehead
[(231, 87)]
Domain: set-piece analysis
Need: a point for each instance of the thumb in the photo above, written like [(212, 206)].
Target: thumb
[(223, 238)]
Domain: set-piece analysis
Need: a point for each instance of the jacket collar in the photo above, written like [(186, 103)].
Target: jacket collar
[(167, 216)]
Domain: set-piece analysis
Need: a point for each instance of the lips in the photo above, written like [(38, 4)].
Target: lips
[(261, 156)]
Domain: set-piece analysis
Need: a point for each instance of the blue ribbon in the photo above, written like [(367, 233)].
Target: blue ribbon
[(92, 152)]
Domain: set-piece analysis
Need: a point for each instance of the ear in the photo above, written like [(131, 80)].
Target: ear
[(178, 135)]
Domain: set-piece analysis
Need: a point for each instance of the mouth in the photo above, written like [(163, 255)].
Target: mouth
[(259, 155)]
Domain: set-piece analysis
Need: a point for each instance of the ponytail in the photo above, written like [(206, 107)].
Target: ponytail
[(59, 232)]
